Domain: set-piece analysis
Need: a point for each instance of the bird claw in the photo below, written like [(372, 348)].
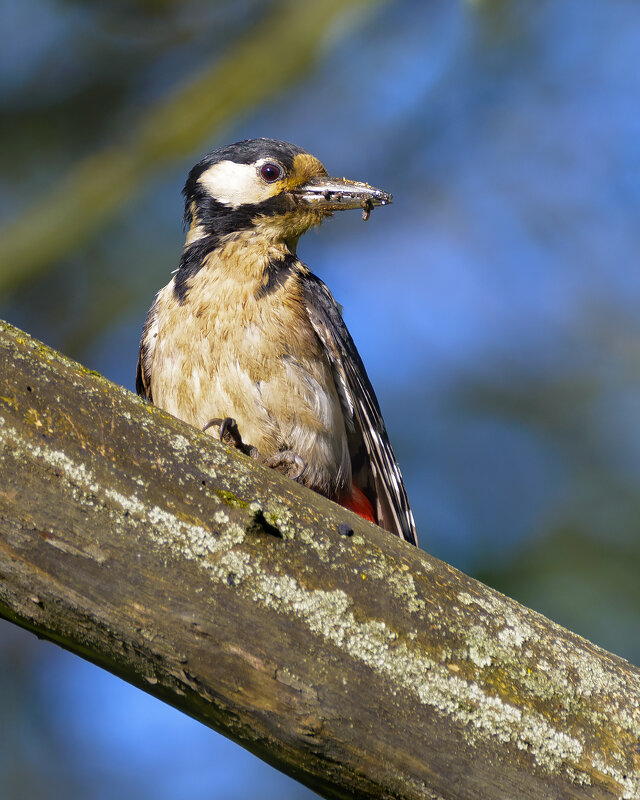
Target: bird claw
[(287, 462), (230, 435)]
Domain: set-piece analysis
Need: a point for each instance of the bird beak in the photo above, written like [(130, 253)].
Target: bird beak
[(335, 194)]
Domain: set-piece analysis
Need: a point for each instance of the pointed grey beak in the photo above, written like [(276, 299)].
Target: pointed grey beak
[(335, 194)]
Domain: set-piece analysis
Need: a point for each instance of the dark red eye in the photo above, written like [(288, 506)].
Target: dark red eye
[(271, 172)]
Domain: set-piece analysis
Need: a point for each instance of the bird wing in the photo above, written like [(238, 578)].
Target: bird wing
[(145, 355), (142, 379), (375, 469)]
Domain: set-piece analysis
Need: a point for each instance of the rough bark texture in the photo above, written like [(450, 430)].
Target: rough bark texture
[(355, 663)]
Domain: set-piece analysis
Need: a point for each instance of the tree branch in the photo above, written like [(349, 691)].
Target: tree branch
[(355, 663)]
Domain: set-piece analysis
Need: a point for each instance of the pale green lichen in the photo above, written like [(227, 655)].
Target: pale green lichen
[(279, 515), (578, 777), (404, 586), (510, 638), (180, 444), (477, 650), (166, 529), (328, 613), (487, 603)]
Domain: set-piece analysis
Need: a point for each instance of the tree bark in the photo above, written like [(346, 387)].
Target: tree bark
[(350, 660)]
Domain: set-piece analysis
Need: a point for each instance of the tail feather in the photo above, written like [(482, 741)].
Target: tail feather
[(357, 501)]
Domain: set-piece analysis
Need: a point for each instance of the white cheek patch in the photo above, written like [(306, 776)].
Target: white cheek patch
[(235, 184)]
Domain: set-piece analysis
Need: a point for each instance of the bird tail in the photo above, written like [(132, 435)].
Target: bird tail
[(356, 500)]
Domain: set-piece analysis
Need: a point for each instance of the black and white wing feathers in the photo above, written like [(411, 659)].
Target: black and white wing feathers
[(375, 469), (145, 354)]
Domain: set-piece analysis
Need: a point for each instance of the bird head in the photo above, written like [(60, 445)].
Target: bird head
[(273, 187)]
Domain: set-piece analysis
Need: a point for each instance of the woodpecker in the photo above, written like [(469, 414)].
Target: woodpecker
[(247, 343)]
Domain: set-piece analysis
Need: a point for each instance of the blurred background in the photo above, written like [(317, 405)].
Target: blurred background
[(495, 303)]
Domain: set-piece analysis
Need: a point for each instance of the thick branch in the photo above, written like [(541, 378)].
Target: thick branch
[(357, 664)]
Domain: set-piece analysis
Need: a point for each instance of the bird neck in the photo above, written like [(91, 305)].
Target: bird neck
[(250, 258)]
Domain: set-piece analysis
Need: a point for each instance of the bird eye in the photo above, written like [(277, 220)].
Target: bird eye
[(271, 172)]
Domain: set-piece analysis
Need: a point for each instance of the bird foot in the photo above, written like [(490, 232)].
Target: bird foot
[(230, 435), (286, 462)]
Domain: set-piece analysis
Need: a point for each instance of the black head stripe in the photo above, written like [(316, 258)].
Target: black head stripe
[(245, 152), (220, 221), (277, 273), (191, 262)]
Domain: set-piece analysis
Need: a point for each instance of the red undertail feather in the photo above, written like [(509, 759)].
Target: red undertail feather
[(357, 501)]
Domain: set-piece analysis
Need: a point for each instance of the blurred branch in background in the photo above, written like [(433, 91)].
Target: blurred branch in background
[(276, 52)]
